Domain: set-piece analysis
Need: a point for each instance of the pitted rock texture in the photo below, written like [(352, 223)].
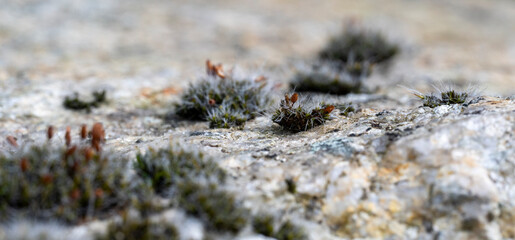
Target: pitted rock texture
[(390, 170)]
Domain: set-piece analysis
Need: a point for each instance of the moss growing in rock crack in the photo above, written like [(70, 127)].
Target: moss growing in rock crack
[(226, 100), (216, 208), (139, 229), (331, 77), (165, 168), (69, 183), (298, 119), (357, 45), (74, 103)]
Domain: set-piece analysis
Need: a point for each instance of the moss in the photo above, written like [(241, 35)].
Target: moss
[(224, 99), (288, 231), (330, 77), (216, 208), (264, 225), (165, 168), (68, 183), (225, 117), (298, 119), (74, 103), (291, 186), (356, 45), (139, 229), (345, 108), (446, 98)]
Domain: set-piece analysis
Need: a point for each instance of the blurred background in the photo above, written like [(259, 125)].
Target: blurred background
[(55, 46)]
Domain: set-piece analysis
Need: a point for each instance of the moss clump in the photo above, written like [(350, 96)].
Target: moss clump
[(165, 168), (345, 63), (70, 183), (446, 98), (224, 99), (225, 117), (356, 45), (264, 224), (139, 229), (74, 103), (288, 231), (298, 119), (329, 77), (291, 186), (193, 180), (216, 208)]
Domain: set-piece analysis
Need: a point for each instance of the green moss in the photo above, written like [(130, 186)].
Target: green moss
[(225, 117), (224, 100), (288, 231), (74, 103), (330, 77), (355, 45), (296, 118), (216, 208), (165, 168), (139, 229), (446, 98), (65, 183), (264, 225), (291, 186)]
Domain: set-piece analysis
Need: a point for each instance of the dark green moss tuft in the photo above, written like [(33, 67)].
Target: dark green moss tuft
[(65, 183), (167, 167), (288, 231), (139, 229), (224, 100), (446, 98), (74, 103), (264, 225), (291, 186), (330, 77), (225, 117), (216, 208), (356, 45), (298, 119)]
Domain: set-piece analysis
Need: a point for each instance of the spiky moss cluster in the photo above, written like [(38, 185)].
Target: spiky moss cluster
[(194, 180), (225, 100), (298, 119), (131, 228), (226, 117), (345, 63), (165, 168), (330, 77), (74, 103), (264, 225), (446, 98), (357, 45), (71, 183), (216, 208)]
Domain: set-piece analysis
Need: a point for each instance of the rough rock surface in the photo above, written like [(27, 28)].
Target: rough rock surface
[(391, 170)]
